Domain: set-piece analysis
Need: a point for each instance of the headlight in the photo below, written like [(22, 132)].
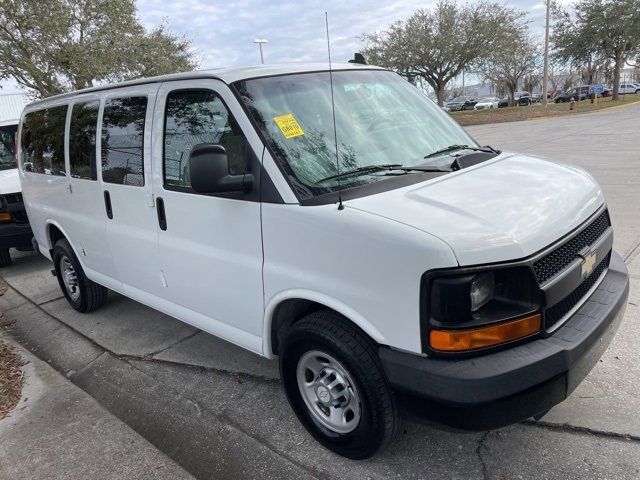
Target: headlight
[(482, 290), (465, 299)]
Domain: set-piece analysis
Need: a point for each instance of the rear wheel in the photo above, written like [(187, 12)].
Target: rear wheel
[(82, 294), (5, 257), (335, 384)]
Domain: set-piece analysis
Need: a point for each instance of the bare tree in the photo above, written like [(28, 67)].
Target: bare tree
[(439, 44), (511, 59)]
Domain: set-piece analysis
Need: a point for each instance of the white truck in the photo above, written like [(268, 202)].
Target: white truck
[(15, 231), (340, 221)]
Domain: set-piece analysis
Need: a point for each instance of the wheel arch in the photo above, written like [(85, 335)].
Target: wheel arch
[(286, 308), (54, 232)]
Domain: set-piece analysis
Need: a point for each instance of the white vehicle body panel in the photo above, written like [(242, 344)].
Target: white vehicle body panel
[(627, 88), (9, 181), (504, 209), (224, 265), (366, 267), (487, 104)]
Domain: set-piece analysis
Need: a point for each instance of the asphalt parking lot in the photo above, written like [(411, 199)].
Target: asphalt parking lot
[(220, 413)]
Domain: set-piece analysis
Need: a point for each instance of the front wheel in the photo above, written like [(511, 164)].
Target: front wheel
[(335, 384), (82, 294)]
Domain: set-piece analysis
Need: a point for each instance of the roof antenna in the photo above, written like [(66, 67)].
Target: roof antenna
[(333, 111)]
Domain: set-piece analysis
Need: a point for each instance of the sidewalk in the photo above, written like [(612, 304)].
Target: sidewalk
[(57, 431)]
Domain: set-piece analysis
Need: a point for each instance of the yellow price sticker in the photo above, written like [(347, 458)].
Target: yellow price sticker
[(288, 125)]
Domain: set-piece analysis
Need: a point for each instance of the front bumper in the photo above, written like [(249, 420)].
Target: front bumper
[(15, 235), (501, 388)]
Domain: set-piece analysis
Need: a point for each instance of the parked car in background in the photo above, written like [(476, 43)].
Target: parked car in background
[(459, 103), (536, 97), (520, 99), (15, 231), (577, 93), (627, 88), (608, 92), (487, 102)]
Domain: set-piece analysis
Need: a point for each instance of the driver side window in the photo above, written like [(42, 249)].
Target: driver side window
[(193, 117)]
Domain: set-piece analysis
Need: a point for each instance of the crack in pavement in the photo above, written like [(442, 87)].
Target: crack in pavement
[(481, 445), (632, 252), (222, 371), (566, 427), (164, 349)]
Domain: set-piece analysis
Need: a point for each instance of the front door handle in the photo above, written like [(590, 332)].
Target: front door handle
[(107, 204), (162, 219)]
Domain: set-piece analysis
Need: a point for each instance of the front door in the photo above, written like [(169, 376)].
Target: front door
[(210, 246)]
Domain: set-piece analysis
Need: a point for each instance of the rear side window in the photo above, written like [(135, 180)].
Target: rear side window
[(82, 140), (123, 140), (8, 147), (194, 117), (43, 141)]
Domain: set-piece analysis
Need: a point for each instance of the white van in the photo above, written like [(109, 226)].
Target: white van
[(412, 260), (15, 231)]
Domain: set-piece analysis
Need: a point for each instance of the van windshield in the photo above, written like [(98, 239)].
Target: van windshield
[(8, 147), (381, 119)]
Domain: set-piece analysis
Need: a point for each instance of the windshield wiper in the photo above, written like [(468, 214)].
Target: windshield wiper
[(387, 166), (454, 147), (365, 169)]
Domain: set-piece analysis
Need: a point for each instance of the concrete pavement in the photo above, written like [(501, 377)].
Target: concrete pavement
[(220, 413), (57, 431)]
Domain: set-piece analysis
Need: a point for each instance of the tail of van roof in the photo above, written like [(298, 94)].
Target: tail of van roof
[(11, 106)]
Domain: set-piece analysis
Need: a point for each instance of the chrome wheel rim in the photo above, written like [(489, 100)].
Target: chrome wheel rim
[(69, 278), (328, 391)]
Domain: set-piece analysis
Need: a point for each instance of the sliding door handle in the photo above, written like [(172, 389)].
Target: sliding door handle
[(107, 204), (162, 219)]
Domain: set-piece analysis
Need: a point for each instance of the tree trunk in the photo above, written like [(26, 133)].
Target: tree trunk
[(511, 88), (616, 75), (439, 86)]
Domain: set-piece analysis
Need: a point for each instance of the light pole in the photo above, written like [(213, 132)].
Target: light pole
[(260, 42), (545, 74)]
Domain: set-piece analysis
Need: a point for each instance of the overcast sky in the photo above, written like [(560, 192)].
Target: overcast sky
[(222, 32)]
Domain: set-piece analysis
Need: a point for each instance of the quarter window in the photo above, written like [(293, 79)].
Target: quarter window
[(43, 141), (82, 140), (123, 140), (194, 117)]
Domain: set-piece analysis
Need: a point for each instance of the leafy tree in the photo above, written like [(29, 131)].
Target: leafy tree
[(513, 58), (60, 45), (608, 28), (437, 45), (575, 47)]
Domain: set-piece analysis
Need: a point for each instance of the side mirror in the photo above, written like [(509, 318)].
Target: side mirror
[(209, 171)]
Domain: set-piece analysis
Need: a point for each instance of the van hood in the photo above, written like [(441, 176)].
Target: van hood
[(9, 181), (505, 209)]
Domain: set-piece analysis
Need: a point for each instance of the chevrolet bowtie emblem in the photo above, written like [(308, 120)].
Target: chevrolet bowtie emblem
[(588, 263)]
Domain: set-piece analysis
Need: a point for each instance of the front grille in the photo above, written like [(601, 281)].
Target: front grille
[(556, 261), (555, 313)]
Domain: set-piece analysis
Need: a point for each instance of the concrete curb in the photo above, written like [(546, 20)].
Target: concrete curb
[(58, 431)]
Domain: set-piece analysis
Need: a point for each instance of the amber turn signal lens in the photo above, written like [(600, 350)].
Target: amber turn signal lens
[(5, 217), (461, 340)]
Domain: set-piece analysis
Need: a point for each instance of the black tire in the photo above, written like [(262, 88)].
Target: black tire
[(89, 296), (5, 257), (330, 333)]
